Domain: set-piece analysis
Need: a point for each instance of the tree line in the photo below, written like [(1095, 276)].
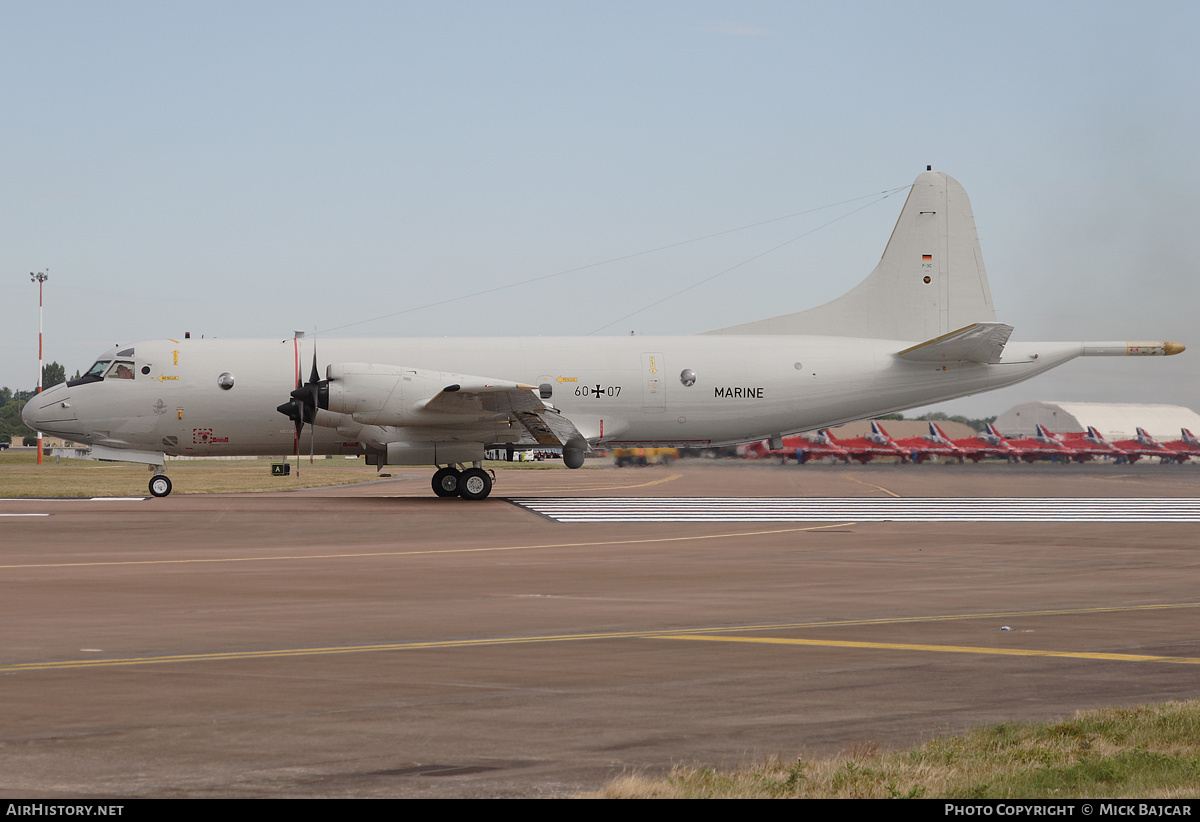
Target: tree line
[(938, 416), (12, 401)]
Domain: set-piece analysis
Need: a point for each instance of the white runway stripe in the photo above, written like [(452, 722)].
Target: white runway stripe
[(74, 499), (772, 509)]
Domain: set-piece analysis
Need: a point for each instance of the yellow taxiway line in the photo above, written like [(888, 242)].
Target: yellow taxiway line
[(422, 552), (871, 485), (945, 649), (711, 634)]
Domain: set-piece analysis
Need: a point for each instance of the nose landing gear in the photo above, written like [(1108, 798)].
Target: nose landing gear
[(160, 485)]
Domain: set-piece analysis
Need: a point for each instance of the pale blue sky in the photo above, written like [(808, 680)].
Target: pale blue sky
[(246, 169)]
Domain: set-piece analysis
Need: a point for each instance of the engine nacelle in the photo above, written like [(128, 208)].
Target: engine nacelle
[(360, 389), (413, 416), (375, 394)]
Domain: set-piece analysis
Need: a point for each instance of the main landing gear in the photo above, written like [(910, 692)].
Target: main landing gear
[(473, 483), (160, 485)]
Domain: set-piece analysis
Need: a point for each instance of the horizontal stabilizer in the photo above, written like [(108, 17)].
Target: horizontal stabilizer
[(978, 342)]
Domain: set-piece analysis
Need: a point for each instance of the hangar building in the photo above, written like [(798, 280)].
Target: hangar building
[(1115, 421)]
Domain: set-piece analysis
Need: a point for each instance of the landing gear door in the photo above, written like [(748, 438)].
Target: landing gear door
[(654, 396)]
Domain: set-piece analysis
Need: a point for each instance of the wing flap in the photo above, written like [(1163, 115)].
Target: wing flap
[(492, 399)]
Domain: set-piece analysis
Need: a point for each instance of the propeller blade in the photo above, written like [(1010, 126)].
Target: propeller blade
[(303, 405)]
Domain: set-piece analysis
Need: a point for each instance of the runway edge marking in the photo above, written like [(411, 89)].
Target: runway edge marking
[(821, 509)]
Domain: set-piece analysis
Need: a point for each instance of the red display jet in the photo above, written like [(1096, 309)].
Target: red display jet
[(1142, 445), (920, 449), (800, 447), (1087, 445), (811, 447), (984, 444), (864, 449), (1041, 446), (1181, 449)]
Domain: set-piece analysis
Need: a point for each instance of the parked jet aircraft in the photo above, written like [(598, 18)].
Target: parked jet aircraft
[(1041, 446), (920, 449), (806, 447), (1181, 449), (1091, 443), (984, 444), (801, 447), (1141, 445), (875, 443), (920, 329), (1087, 445)]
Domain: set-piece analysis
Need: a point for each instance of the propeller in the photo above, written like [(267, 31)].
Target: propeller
[(303, 404)]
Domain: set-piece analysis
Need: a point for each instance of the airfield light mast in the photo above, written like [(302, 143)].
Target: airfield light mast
[(39, 278)]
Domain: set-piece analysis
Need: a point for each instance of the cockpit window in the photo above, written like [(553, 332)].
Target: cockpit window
[(94, 374), (120, 370), (98, 369)]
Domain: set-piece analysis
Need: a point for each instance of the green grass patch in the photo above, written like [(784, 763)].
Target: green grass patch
[(1149, 751), (21, 476)]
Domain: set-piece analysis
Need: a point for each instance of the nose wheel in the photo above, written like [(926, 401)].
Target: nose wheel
[(160, 486)]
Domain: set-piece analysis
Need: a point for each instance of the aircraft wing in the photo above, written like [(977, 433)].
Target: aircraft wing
[(978, 342), (458, 406), (490, 400)]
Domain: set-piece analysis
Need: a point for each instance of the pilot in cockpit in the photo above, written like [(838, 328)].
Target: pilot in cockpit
[(121, 371)]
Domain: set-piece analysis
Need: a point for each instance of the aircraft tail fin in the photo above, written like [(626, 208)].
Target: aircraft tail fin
[(878, 434), (930, 281), (936, 433), (1189, 437)]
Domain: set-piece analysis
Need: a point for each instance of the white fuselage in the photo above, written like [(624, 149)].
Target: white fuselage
[(616, 390)]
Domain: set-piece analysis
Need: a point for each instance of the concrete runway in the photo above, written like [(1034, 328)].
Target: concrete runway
[(376, 641)]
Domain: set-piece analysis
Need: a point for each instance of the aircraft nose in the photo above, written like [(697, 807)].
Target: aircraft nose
[(51, 411)]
